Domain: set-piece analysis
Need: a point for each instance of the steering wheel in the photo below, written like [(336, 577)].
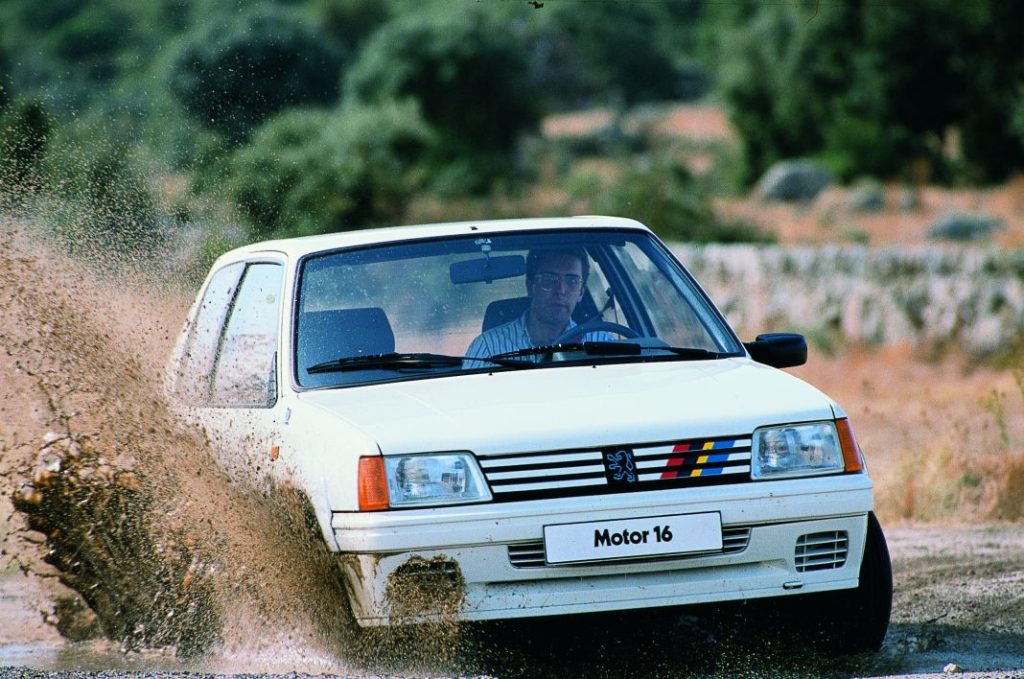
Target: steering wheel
[(577, 333)]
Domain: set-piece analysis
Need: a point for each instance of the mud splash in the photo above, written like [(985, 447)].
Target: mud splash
[(165, 550), (148, 585)]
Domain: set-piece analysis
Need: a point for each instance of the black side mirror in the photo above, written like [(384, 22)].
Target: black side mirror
[(778, 349)]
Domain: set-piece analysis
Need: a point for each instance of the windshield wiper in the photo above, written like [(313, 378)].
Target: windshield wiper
[(592, 348), (404, 361), (691, 353), (393, 361), (614, 348)]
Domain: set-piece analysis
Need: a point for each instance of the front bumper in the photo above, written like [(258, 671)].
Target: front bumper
[(467, 562)]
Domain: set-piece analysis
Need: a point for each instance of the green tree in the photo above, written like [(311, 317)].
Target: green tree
[(91, 39), (317, 171), (78, 56), (352, 22), (25, 130), (663, 194), (468, 74), (104, 200), (873, 87), (627, 51), (5, 78), (233, 77)]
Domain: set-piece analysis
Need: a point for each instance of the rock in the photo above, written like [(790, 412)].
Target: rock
[(867, 197), (52, 437), (963, 227), (909, 199), (793, 180), (75, 620), (952, 668), (27, 496)]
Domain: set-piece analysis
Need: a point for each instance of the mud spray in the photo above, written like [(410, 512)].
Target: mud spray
[(163, 549)]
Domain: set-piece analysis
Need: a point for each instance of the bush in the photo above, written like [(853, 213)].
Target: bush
[(624, 52), (875, 88), (469, 75), (25, 130), (962, 227), (91, 39), (317, 171), (231, 78), (664, 195), (102, 195)]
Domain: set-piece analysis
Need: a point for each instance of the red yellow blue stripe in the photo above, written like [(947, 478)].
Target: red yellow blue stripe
[(681, 452)]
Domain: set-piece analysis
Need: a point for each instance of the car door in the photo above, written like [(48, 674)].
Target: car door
[(227, 369)]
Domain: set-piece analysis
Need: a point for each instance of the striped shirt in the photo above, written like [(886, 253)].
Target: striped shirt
[(513, 336)]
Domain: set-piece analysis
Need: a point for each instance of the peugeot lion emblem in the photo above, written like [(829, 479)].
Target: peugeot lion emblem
[(620, 466)]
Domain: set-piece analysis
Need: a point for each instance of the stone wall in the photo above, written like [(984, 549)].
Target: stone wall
[(930, 296)]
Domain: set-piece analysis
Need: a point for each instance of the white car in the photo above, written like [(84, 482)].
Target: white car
[(532, 417)]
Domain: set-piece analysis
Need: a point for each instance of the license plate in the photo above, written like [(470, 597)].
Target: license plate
[(630, 538)]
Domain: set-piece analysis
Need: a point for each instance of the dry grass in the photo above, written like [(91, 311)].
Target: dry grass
[(944, 440), (696, 122), (908, 212), (828, 218)]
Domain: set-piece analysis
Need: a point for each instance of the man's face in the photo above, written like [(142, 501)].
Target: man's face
[(556, 289)]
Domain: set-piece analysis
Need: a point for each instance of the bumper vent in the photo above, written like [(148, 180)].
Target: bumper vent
[(822, 551), (531, 554), (617, 469)]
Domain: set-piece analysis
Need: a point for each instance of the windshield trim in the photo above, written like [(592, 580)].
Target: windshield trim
[(302, 261)]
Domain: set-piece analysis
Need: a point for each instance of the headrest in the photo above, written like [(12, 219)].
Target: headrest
[(504, 310), (340, 333)]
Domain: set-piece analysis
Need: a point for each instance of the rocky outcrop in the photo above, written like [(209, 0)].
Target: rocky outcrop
[(930, 296), (793, 181)]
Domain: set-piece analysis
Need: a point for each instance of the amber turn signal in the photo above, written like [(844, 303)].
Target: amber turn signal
[(373, 484), (852, 458)]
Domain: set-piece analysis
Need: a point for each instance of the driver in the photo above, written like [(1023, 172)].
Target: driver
[(555, 282)]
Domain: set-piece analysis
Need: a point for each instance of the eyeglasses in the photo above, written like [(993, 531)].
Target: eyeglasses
[(549, 281)]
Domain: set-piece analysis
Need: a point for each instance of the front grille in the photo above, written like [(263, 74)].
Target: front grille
[(531, 554), (822, 551), (613, 469)]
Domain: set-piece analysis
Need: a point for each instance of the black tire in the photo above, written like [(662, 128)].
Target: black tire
[(871, 602), (854, 620)]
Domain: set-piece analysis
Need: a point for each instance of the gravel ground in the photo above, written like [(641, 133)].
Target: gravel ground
[(958, 611)]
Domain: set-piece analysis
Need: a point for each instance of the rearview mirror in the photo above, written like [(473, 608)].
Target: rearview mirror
[(487, 269), (779, 349)]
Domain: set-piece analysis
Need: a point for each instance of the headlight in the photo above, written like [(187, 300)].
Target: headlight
[(796, 450), (442, 479)]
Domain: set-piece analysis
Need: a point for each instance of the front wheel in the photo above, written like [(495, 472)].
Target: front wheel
[(854, 620)]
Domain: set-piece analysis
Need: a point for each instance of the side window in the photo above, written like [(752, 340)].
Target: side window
[(664, 301), (244, 371), (195, 365)]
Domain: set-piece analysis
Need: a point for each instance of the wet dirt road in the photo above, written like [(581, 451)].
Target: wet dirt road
[(959, 605)]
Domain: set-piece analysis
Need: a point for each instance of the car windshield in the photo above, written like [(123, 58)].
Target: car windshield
[(439, 307)]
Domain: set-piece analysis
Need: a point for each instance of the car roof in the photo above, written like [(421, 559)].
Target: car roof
[(297, 247)]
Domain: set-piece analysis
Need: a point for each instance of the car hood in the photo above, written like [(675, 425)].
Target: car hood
[(564, 407)]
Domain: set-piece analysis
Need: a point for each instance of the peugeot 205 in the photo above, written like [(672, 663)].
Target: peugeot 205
[(544, 416)]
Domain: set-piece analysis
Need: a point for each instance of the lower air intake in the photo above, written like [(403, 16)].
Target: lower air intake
[(822, 551)]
